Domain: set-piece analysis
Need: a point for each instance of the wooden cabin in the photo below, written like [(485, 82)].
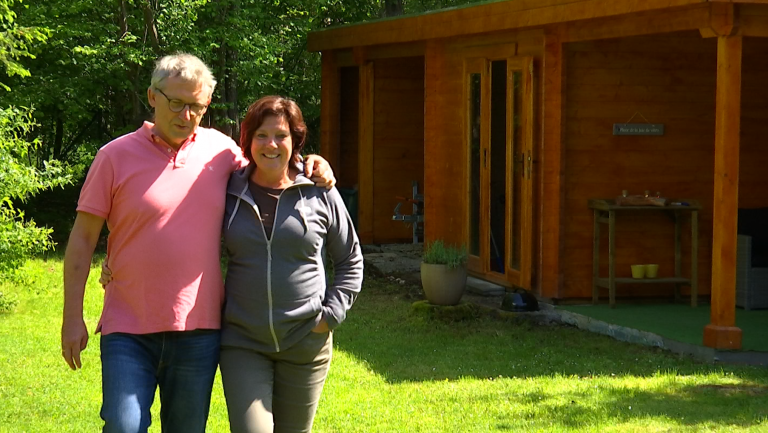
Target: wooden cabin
[(504, 113)]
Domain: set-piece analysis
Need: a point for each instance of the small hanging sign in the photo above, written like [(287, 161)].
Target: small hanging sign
[(638, 129)]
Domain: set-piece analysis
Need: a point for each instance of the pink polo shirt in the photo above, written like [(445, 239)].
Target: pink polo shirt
[(164, 212)]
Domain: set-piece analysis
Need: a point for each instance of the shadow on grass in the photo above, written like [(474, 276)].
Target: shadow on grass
[(400, 346), (382, 331), (694, 405)]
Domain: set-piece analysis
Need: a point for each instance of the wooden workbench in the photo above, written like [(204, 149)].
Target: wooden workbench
[(605, 211)]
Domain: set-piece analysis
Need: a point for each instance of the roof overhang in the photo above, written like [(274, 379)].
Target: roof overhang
[(488, 17)]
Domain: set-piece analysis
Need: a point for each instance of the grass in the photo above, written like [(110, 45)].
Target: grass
[(397, 371), (679, 322)]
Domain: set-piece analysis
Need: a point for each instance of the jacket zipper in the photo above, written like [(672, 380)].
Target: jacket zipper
[(269, 264), (269, 268)]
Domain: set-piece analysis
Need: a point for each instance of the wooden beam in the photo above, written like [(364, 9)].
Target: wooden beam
[(329, 111), (552, 167), (753, 20), (484, 18), (365, 155), (722, 332), (681, 19), (359, 55), (723, 20), (433, 75)]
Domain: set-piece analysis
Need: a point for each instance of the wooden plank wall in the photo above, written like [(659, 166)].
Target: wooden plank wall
[(753, 176), (445, 163), (398, 142), (349, 78), (667, 79)]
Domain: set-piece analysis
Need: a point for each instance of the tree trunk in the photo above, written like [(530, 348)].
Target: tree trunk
[(393, 8), (221, 73), (58, 136), (122, 19), (150, 25), (233, 112)]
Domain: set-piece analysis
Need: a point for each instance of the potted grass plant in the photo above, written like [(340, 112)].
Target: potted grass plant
[(443, 273)]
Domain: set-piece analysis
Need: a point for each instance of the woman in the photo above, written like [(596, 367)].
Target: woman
[(279, 311)]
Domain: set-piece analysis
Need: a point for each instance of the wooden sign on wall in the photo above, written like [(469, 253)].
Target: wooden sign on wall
[(638, 129)]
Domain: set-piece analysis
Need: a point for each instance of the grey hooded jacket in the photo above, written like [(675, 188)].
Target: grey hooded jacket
[(276, 289)]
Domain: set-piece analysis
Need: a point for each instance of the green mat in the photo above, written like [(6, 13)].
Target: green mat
[(678, 322)]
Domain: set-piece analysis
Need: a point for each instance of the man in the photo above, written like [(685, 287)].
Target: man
[(161, 190)]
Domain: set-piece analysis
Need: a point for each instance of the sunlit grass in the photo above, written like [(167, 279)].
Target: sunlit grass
[(396, 371)]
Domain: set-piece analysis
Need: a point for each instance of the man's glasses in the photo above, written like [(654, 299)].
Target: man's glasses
[(177, 105)]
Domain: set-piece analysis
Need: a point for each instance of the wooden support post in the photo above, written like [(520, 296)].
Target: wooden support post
[(595, 256), (329, 112), (433, 170), (612, 258), (678, 253), (552, 186), (722, 332), (365, 156)]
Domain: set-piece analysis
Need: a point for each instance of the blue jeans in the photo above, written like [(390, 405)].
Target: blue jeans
[(183, 364)]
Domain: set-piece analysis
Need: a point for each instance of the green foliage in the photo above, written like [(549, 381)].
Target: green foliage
[(7, 303), (18, 180), (437, 253), (15, 41)]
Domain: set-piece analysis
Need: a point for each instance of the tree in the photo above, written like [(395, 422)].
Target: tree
[(19, 178)]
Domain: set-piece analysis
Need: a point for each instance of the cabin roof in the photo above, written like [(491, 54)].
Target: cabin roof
[(483, 18)]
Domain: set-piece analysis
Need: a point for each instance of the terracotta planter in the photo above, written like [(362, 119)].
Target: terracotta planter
[(443, 286)]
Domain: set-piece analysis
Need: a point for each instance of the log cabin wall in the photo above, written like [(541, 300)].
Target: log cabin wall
[(669, 79), (398, 142), (349, 78), (753, 176), (445, 160)]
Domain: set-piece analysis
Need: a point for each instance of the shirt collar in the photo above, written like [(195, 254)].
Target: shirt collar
[(147, 130)]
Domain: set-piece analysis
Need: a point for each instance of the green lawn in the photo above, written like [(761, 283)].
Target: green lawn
[(395, 371)]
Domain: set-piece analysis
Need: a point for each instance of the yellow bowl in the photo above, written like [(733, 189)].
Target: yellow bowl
[(638, 271)]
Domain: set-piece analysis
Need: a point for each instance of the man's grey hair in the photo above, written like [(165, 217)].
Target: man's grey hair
[(185, 66)]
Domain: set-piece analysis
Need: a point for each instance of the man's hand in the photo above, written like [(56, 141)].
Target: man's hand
[(106, 273), (77, 265), (319, 171), (74, 339)]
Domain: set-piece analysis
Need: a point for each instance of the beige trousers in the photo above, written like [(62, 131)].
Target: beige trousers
[(275, 392)]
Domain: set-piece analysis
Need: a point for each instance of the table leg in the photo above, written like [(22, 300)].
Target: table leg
[(612, 259), (595, 256), (678, 253), (694, 258)]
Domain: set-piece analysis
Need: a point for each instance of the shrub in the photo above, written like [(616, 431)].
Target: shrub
[(437, 253), (19, 237), (7, 303)]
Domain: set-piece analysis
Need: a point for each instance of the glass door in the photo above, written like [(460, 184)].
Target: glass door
[(499, 119)]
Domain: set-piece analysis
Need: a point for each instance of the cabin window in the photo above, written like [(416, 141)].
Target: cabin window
[(518, 155), (474, 143), (498, 162)]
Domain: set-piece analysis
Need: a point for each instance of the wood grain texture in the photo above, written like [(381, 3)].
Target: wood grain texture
[(551, 162), (489, 17), (668, 82), (445, 159), (366, 155), (398, 141), (726, 182), (329, 111), (349, 125)]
